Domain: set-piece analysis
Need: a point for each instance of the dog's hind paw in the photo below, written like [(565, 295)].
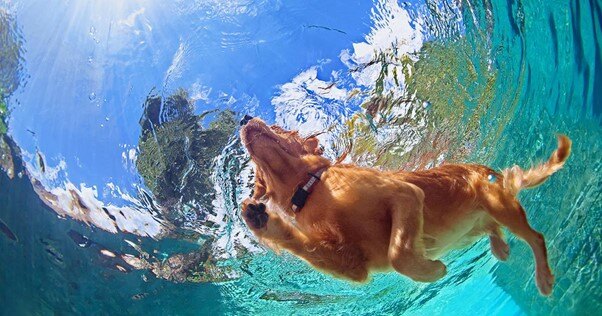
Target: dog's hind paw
[(545, 281), (499, 248)]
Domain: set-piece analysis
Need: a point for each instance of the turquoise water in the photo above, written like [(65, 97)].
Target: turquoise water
[(488, 82)]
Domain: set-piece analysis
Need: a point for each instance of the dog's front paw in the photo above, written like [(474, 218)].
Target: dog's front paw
[(255, 215), (434, 270)]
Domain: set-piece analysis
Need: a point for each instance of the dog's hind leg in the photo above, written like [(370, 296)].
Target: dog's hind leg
[(406, 247), (498, 245), (506, 210)]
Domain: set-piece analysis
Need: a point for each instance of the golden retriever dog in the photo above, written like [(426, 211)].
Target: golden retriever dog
[(347, 220)]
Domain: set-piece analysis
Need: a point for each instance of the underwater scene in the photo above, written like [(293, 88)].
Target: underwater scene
[(122, 168)]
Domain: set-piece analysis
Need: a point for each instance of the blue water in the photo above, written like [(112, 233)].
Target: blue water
[(487, 82)]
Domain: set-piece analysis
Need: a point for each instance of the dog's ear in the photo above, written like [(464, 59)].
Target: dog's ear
[(312, 146)]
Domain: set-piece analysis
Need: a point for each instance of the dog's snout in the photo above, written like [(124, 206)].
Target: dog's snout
[(245, 119)]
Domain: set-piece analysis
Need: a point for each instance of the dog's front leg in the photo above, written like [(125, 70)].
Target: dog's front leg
[(278, 234), (271, 228), (406, 247)]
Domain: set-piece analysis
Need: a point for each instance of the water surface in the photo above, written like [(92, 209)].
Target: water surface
[(124, 170)]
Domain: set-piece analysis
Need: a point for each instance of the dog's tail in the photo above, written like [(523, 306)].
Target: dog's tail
[(516, 179)]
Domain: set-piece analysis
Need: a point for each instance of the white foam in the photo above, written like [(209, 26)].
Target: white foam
[(393, 31)]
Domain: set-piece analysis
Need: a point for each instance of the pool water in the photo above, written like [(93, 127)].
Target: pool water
[(123, 169)]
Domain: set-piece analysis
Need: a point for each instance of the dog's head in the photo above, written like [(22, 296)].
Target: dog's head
[(275, 146), (281, 156)]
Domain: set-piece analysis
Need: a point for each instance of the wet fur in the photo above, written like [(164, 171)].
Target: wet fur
[(359, 220)]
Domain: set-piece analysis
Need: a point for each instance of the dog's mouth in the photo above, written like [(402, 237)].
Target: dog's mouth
[(256, 133)]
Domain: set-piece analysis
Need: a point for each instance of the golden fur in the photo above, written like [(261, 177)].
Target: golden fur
[(359, 220)]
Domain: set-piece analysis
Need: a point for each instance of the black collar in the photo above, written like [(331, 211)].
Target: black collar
[(302, 193)]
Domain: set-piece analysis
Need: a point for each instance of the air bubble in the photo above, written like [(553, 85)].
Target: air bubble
[(92, 96)]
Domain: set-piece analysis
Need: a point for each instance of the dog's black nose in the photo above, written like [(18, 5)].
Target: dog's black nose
[(245, 119)]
